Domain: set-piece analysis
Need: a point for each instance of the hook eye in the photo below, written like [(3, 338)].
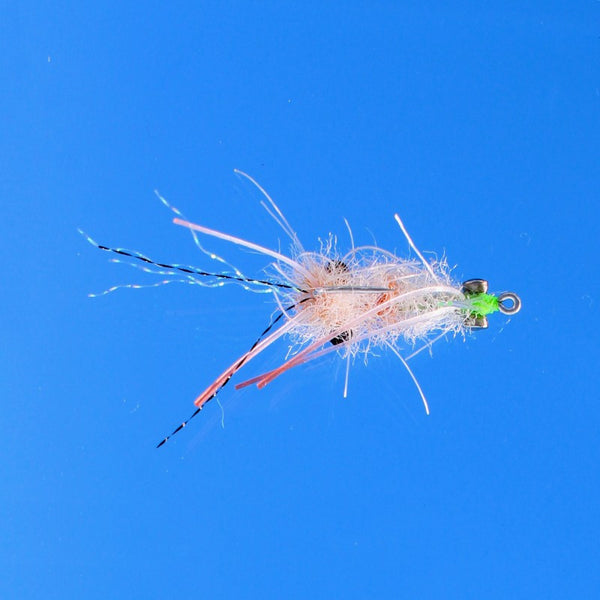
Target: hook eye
[(474, 286), (509, 303)]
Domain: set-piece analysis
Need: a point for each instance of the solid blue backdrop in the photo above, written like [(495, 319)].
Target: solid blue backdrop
[(477, 122)]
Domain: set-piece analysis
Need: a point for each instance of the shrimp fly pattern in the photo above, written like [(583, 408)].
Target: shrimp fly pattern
[(328, 302)]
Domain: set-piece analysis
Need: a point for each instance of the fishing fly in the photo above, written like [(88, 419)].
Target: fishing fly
[(329, 302)]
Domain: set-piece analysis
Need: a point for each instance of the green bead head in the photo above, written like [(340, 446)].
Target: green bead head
[(481, 304)]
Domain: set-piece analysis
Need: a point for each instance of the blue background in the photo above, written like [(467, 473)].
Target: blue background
[(477, 122)]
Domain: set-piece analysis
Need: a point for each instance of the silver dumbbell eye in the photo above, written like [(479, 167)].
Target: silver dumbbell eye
[(474, 286), (476, 322)]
